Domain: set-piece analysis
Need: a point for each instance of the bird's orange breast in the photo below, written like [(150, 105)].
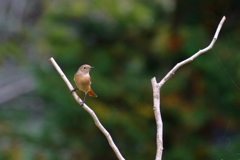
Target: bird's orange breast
[(83, 82)]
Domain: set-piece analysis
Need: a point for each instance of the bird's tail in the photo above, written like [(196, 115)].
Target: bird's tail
[(91, 93)]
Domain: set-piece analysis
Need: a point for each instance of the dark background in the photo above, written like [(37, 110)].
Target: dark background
[(128, 42)]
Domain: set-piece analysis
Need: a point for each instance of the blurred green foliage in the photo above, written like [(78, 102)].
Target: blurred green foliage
[(128, 42)]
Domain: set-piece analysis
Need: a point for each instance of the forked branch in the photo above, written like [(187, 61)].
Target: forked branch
[(157, 86)]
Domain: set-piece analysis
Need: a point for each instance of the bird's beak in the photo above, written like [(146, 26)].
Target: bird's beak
[(91, 67)]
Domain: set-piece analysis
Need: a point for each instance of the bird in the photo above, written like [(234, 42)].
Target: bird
[(82, 80)]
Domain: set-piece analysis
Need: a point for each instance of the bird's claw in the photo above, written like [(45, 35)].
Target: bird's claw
[(82, 104), (74, 90)]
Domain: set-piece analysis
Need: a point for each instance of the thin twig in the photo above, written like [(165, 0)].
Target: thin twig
[(195, 55), (157, 86), (90, 111)]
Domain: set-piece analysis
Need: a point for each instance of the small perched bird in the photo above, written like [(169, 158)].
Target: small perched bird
[(83, 81)]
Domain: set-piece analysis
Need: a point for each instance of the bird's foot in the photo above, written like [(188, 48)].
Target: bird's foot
[(82, 103), (74, 90)]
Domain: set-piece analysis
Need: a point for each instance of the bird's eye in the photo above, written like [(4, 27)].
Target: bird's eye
[(84, 67)]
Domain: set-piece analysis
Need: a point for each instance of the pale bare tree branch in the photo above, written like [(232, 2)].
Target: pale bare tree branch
[(157, 114), (89, 110), (157, 86)]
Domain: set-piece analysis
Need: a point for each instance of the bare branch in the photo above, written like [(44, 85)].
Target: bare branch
[(157, 113), (90, 111), (157, 86), (195, 55)]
